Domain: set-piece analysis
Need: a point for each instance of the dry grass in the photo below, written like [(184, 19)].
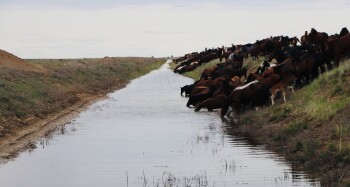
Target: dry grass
[(24, 94)]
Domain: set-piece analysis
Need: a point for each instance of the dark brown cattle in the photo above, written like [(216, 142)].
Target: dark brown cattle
[(305, 68), (279, 55), (284, 69), (237, 63), (236, 82), (184, 69), (267, 46), (303, 39), (344, 31), (216, 84), (333, 37), (252, 77), (207, 73), (225, 55), (198, 89), (187, 89), (317, 38), (282, 86), (255, 52), (212, 103), (338, 48), (195, 99), (294, 41), (256, 92)]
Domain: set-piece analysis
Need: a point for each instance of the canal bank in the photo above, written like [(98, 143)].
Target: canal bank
[(144, 135)]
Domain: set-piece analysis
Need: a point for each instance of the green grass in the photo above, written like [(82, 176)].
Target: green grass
[(279, 113), (295, 127), (326, 95)]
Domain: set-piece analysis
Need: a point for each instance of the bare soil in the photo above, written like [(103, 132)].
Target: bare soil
[(8, 60)]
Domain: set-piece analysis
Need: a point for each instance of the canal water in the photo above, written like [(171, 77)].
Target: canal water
[(144, 135)]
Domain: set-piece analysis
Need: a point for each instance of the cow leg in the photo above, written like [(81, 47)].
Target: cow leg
[(224, 110), (272, 98), (329, 65), (291, 88), (323, 69), (337, 61), (284, 96)]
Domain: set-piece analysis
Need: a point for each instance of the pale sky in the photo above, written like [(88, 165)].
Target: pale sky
[(86, 28)]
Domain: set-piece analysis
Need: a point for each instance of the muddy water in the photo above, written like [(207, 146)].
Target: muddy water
[(143, 135)]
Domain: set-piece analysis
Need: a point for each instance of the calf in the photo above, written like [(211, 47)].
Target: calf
[(282, 87)]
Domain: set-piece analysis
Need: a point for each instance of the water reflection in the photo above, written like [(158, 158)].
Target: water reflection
[(144, 135)]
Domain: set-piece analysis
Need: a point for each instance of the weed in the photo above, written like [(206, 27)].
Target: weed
[(299, 145), (295, 127), (332, 147), (310, 148), (279, 113), (281, 136), (343, 155)]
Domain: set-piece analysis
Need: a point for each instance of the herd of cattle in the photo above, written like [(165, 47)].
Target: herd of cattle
[(297, 62)]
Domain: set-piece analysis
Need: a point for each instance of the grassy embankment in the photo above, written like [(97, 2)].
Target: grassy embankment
[(312, 129), (28, 94)]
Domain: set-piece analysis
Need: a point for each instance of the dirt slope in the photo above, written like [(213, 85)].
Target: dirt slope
[(8, 60)]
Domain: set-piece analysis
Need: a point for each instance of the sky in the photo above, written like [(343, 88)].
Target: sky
[(160, 28)]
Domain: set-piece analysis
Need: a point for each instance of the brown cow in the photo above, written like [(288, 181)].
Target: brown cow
[(344, 31), (212, 103), (304, 39), (282, 87), (207, 73), (338, 48), (256, 92), (317, 38)]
